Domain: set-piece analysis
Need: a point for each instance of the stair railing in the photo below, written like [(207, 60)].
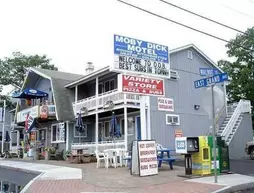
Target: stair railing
[(232, 121), (217, 118)]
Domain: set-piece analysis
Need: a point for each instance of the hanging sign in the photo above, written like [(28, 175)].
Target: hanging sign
[(61, 131), (166, 104), (140, 85), (147, 153), (44, 112), (178, 133), (140, 57)]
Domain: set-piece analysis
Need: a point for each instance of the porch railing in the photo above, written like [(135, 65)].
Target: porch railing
[(103, 145), (113, 95)]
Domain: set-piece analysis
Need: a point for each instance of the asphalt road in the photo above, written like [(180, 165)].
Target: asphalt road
[(15, 177)]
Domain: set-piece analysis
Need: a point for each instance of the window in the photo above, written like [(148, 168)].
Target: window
[(100, 88), (81, 135), (172, 119), (130, 123), (106, 128), (58, 133), (190, 56), (122, 126), (108, 86), (174, 74)]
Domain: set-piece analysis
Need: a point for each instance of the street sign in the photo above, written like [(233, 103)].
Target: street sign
[(211, 80), (208, 71)]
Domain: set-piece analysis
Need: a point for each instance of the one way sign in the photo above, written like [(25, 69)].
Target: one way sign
[(211, 80)]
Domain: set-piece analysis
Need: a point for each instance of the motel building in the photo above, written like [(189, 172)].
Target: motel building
[(183, 110)]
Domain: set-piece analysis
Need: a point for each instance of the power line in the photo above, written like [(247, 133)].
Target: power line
[(183, 25), (206, 18)]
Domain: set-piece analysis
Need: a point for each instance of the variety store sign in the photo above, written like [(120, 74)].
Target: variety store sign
[(140, 57), (141, 85)]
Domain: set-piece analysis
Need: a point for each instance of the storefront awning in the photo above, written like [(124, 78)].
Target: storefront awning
[(30, 94)]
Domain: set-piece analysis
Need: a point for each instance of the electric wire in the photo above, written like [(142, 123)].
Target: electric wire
[(206, 18), (183, 25)]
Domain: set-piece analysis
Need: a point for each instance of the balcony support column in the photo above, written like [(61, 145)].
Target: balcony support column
[(97, 115), (76, 93), (125, 128)]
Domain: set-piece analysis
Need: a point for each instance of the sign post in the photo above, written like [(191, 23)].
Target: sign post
[(211, 81)]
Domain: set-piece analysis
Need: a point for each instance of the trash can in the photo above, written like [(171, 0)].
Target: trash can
[(224, 157)]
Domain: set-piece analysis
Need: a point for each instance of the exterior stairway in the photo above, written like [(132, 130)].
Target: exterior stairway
[(233, 119)]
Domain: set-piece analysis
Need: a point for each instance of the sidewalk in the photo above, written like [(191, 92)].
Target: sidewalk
[(61, 177)]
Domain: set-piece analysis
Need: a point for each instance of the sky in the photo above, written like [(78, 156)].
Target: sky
[(75, 32)]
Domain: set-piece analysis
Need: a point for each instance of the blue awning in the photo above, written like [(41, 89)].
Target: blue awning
[(30, 93)]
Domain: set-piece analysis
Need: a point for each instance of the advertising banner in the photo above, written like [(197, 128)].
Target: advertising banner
[(140, 57), (181, 145), (148, 164), (141, 85), (166, 104)]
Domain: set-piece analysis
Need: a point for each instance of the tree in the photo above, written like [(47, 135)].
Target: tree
[(241, 70), (14, 68)]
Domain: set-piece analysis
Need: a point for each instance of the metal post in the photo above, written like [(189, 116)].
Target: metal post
[(214, 137), (3, 129)]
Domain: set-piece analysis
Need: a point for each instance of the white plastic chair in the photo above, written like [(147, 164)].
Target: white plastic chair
[(111, 157), (101, 157)]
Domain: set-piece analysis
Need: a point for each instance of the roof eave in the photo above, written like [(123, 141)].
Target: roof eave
[(76, 82), (199, 51)]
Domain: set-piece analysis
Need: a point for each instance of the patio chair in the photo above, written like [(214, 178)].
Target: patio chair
[(101, 157), (111, 157)]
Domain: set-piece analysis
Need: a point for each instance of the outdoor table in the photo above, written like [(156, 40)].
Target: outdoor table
[(168, 159)]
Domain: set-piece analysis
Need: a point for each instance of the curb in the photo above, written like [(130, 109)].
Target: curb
[(21, 170), (236, 188), (30, 183)]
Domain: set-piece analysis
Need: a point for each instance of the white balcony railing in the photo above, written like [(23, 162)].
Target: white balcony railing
[(103, 145), (113, 95)]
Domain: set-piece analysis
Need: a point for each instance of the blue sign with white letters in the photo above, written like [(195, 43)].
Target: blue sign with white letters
[(208, 71), (211, 80), (131, 47)]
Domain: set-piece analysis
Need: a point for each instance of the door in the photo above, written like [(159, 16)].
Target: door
[(138, 128)]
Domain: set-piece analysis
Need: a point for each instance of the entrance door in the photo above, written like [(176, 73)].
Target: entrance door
[(138, 128)]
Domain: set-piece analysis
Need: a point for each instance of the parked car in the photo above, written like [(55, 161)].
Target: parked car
[(250, 149)]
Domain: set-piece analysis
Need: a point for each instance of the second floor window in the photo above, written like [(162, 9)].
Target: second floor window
[(106, 86)]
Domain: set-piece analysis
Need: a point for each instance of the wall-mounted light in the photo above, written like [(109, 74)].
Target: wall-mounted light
[(196, 107)]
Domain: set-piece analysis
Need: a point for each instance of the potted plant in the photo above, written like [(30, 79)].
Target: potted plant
[(49, 151)]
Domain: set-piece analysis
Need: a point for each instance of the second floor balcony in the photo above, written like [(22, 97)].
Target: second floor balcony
[(37, 111), (89, 105)]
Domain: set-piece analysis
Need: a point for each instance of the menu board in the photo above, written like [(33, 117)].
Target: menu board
[(147, 158)]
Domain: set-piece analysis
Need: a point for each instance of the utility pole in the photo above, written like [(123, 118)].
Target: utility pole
[(214, 136), (3, 127)]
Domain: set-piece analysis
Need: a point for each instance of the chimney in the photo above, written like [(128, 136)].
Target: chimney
[(89, 68)]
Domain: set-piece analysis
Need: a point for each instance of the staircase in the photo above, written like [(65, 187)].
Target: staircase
[(233, 119)]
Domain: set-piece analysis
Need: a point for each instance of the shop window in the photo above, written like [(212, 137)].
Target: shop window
[(106, 128), (81, 135), (108, 86), (58, 133), (130, 128), (172, 119)]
